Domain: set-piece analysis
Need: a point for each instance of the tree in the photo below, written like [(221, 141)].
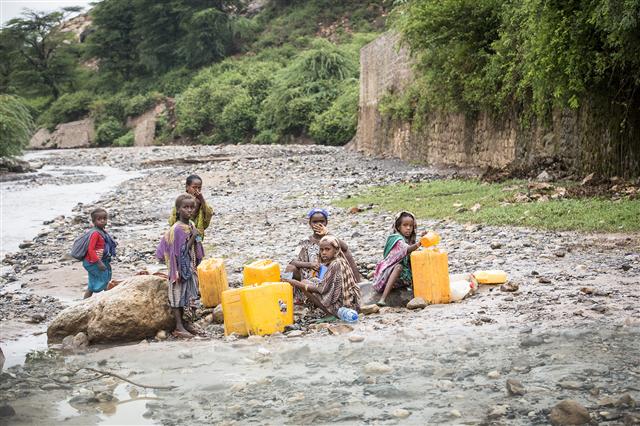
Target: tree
[(16, 125), (46, 60)]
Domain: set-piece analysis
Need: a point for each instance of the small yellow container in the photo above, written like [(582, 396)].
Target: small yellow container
[(494, 276), (430, 270), (268, 308), (260, 271), (233, 313), (430, 239), (212, 280)]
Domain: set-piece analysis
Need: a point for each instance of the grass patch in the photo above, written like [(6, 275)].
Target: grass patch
[(453, 199)]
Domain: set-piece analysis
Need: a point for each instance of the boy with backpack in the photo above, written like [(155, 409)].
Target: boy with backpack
[(96, 248)]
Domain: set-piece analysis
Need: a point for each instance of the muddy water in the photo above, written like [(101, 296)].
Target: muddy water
[(26, 206)]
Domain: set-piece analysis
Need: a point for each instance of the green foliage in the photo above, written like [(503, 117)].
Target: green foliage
[(125, 140), (69, 107), (16, 125), (487, 55), (110, 130), (141, 103), (441, 199), (42, 61), (337, 125), (111, 107)]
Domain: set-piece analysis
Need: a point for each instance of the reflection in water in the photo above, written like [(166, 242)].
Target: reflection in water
[(127, 406)]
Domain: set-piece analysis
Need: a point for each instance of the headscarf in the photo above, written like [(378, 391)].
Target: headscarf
[(396, 230), (350, 288), (315, 210)]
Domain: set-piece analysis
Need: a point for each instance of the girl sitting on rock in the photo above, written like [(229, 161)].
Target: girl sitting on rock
[(307, 264), (181, 250), (203, 212), (338, 287), (394, 271)]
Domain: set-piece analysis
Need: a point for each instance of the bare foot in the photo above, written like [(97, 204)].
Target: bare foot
[(87, 294), (181, 334)]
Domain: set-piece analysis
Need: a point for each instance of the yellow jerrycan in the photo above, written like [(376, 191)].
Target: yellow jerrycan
[(267, 308), (493, 276), (232, 312), (260, 271), (430, 270), (430, 239), (212, 280)]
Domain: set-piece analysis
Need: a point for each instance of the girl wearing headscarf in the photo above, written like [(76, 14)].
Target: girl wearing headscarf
[(394, 271), (307, 264), (338, 287)]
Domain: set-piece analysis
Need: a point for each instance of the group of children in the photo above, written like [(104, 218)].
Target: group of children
[(324, 274)]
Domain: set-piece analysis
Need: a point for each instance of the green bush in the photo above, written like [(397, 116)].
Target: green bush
[(68, 107), (110, 130), (109, 107), (16, 125), (125, 140), (337, 125), (139, 104), (266, 137)]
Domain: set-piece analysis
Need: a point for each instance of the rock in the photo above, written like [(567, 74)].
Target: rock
[(75, 134), (475, 207), (369, 309), (625, 267), (417, 303), (50, 386), (543, 280), (569, 412), (398, 297), (493, 374), (134, 310), (455, 413), (294, 333), (514, 387), (625, 400), (2, 358), (218, 316), (401, 413), (185, 355), (80, 340), (7, 411), (84, 396), (497, 411), (25, 244), (161, 335), (560, 253), (495, 245), (36, 318), (587, 290), (144, 125), (377, 368), (356, 338), (588, 178), (509, 287), (544, 176), (340, 329), (41, 139)]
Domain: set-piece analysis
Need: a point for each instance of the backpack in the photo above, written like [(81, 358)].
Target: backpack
[(81, 244)]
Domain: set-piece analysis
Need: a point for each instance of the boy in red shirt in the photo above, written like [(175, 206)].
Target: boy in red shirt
[(101, 249)]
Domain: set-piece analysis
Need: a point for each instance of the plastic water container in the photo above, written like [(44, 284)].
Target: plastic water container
[(267, 308), (347, 315), (430, 239), (323, 270), (260, 271), (212, 281), (494, 276), (233, 313), (430, 270)]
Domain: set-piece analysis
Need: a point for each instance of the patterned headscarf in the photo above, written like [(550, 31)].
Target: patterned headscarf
[(323, 212), (350, 288), (396, 224)]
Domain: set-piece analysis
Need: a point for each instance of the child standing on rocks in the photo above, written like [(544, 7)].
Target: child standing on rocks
[(101, 249), (203, 212), (394, 271), (181, 250)]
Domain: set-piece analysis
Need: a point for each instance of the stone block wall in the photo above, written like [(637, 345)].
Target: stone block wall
[(583, 138)]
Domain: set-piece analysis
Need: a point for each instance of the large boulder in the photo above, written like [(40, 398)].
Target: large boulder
[(135, 309), (75, 134), (144, 126), (41, 139)]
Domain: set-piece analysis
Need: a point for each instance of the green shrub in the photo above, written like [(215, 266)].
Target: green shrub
[(266, 137), (125, 140), (110, 107), (16, 125), (337, 125), (68, 107), (110, 130), (139, 104)]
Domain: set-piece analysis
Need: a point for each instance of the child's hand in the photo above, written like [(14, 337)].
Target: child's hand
[(198, 195), (423, 233), (320, 229), (315, 266), (101, 266)]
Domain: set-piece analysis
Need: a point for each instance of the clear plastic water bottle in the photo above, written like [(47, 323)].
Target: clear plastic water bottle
[(347, 315)]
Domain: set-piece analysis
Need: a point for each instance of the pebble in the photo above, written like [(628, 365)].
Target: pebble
[(356, 338), (369, 309), (417, 303), (493, 374), (455, 413), (495, 245), (294, 333), (509, 287), (161, 335), (497, 411), (377, 368), (401, 413), (569, 412), (514, 387)]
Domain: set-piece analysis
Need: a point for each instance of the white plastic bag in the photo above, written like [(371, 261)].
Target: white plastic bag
[(461, 286)]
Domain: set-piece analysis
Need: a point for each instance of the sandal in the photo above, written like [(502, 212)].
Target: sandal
[(381, 304)]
